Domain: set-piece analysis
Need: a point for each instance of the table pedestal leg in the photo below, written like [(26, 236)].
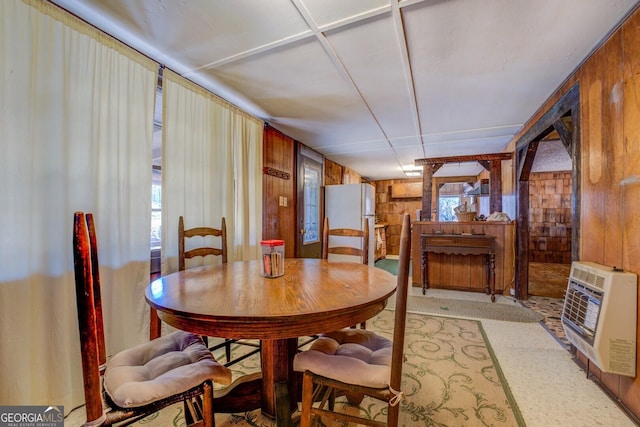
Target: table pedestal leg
[(277, 371)]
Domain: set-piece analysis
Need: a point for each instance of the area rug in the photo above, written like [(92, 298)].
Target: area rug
[(451, 378), (463, 308), (510, 312), (390, 265)]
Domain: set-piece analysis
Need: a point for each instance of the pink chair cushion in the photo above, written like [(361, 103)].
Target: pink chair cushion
[(161, 368), (353, 356)]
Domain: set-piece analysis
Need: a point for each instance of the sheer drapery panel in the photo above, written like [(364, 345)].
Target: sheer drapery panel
[(211, 168), (76, 128)]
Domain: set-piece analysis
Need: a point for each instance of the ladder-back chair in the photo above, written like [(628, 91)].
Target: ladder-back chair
[(141, 380), (360, 238), (358, 248), (334, 364), (206, 235)]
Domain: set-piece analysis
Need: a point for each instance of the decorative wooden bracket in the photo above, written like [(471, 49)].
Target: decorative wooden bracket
[(275, 172)]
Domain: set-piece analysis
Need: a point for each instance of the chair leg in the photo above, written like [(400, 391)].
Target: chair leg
[(307, 399), (198, 411), (207, 406), (392, 415), (227, 349)]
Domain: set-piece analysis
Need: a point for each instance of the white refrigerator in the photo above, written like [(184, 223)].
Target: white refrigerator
[(347, 206)]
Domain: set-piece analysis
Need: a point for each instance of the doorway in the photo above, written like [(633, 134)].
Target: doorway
[(550, 224), (309, 206), (562, 119)]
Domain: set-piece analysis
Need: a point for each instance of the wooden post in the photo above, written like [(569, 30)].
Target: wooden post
[(495, 186), (427, 179)]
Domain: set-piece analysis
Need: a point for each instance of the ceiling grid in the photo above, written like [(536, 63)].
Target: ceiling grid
[(371, 85)]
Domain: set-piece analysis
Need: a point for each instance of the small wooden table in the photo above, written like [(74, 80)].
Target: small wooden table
[(460, 244), (234, 300)]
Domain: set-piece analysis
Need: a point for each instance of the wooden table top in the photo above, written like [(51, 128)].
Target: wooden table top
[(234, 300)]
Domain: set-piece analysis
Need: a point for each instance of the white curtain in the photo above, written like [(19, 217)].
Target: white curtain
[(75, 134), (211, 168)]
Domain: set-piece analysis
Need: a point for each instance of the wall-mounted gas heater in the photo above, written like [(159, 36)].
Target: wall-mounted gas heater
[(600, 316)]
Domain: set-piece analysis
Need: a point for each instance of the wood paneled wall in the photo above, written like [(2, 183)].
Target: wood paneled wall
[(335, 174), (332, 173), (279, 154), (550, 217), (609, 83), (279, 222), (351, 177), (391, 211)]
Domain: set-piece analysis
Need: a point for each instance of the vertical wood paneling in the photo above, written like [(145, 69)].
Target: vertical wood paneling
[(630, 194), (610, 151), (333, 173), (461, 272), (613, 149), (592, 194), (279, 222)]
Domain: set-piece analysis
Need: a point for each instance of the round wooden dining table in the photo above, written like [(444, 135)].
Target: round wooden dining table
[(234, 300)]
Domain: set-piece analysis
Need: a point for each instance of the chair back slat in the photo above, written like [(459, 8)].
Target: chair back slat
[(85, 262), (204, 232), (361, 251)]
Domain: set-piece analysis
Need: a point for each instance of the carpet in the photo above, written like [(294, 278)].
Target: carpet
[(462, 308), (451, 378), (510, 312), (390, 265)]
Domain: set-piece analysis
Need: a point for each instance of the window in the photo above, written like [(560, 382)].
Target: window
[(156, 183), (156, 208), (156, 170), (446, 204), (312, 180)]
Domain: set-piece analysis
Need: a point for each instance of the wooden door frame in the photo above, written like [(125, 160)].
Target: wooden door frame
[(526, 146), (302, 152)]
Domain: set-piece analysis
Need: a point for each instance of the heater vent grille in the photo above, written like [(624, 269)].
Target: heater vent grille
[(582, 309)]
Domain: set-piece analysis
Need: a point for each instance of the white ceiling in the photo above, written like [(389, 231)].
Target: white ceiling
[(375, 84)]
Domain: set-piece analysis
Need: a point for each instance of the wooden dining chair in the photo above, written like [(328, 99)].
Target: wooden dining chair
[(206, 235), (359, 246), (141, 380), (358, 238), (358, 362)]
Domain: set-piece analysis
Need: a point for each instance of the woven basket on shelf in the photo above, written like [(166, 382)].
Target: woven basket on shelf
[(465, 216)]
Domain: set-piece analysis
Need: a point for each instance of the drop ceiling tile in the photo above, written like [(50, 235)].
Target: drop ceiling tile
[(373, 60), (298, 83), (328, 12)]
